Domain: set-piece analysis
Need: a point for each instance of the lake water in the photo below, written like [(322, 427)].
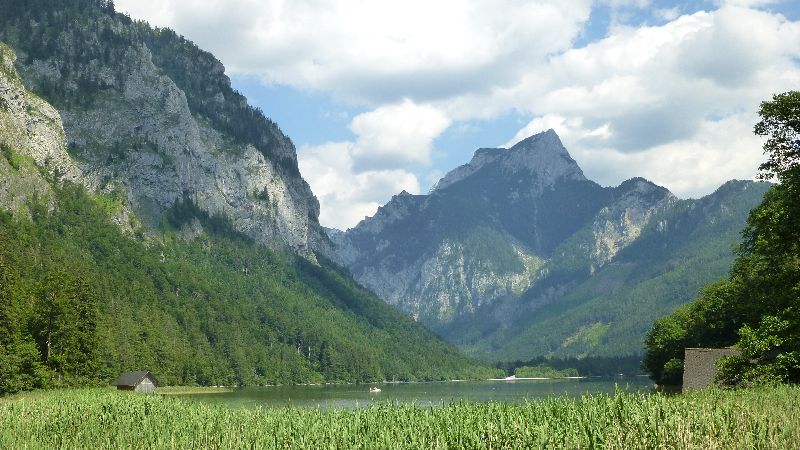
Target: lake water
[(358, 396)]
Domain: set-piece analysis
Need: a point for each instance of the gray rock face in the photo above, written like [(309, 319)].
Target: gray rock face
[(32, 138), (620, 223), (139, 136), (491, 228), (542, 154)]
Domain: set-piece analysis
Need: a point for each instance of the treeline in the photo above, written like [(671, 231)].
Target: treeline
[(81, 302), (757, 307), (585, 367)]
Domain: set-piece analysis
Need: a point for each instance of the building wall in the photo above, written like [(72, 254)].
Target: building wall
[(146, 386), (700, 368)]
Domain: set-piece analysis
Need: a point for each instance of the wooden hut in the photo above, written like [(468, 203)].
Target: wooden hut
[(142, 381), (700, 366)]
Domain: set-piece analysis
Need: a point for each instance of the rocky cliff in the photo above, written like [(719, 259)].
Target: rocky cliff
[(152, 119), (32, 143)]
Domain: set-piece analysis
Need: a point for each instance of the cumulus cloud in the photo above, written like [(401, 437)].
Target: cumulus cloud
[(396, 135), (668, 102), (352, 178), (717, 152), (346, 196), (376, 52)]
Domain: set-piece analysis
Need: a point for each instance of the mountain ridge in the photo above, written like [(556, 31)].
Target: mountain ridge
[(520, 156), (509, 222)]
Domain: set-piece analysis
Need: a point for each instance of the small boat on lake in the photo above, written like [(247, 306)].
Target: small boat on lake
[(374, 390)]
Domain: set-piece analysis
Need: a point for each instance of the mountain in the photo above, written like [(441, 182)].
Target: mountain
[(151, 118), (518, 255), (151, 219)]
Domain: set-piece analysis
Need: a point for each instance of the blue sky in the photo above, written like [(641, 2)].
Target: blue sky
[(382, 96)]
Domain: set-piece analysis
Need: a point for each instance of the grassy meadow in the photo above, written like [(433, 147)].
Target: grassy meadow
[(765, 417)]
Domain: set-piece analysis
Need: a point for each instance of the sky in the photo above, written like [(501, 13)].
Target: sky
[(383, 96)]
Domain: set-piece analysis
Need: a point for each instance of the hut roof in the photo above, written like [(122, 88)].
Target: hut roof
[(134, 378)]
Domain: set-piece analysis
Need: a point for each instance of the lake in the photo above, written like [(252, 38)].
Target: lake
[(358, 395)]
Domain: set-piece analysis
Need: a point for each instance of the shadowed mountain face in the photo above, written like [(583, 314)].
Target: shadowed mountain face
[(518, 230)]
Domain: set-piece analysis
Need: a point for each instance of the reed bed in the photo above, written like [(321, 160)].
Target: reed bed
[(765, 417)]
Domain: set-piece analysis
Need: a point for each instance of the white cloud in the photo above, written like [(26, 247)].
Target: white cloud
[(675, 103), (378, 51), (345, 195), (691, 167), (668, 14), (397, 135), (352, 178)]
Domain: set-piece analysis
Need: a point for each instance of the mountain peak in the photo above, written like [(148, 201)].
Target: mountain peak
[(545, 139), (542, 154)]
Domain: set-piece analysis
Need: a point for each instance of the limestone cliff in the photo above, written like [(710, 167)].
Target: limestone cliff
[(32, 143), (152, 118)]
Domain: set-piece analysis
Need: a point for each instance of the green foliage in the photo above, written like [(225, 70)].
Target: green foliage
[(185, 211), (10, 155), (21, 368), (112, 202), (769, 354), (709, 321), (81, 302), (780, 122), (543, 371), (755, 418), (758, 307), (586, 367), (48, 317), (489, 248)]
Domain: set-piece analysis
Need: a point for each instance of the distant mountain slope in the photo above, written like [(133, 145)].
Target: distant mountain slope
[(153, 118), (84, 295), (607, 312), (517, 255)]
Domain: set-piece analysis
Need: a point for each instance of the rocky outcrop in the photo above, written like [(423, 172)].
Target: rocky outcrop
[(620, 223), (149, 116), (542, 155), (32, 141)]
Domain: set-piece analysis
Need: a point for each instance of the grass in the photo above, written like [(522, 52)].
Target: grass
[(766, 417), (186, 390)]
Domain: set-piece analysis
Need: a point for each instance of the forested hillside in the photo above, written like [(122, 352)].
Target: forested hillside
[(81, 302), (607, 313), (757, 306)]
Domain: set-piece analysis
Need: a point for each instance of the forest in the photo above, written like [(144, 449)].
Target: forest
[(756, 308), (81, 302)]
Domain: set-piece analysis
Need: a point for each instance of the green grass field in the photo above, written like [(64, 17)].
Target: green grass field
[(767, 417)]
